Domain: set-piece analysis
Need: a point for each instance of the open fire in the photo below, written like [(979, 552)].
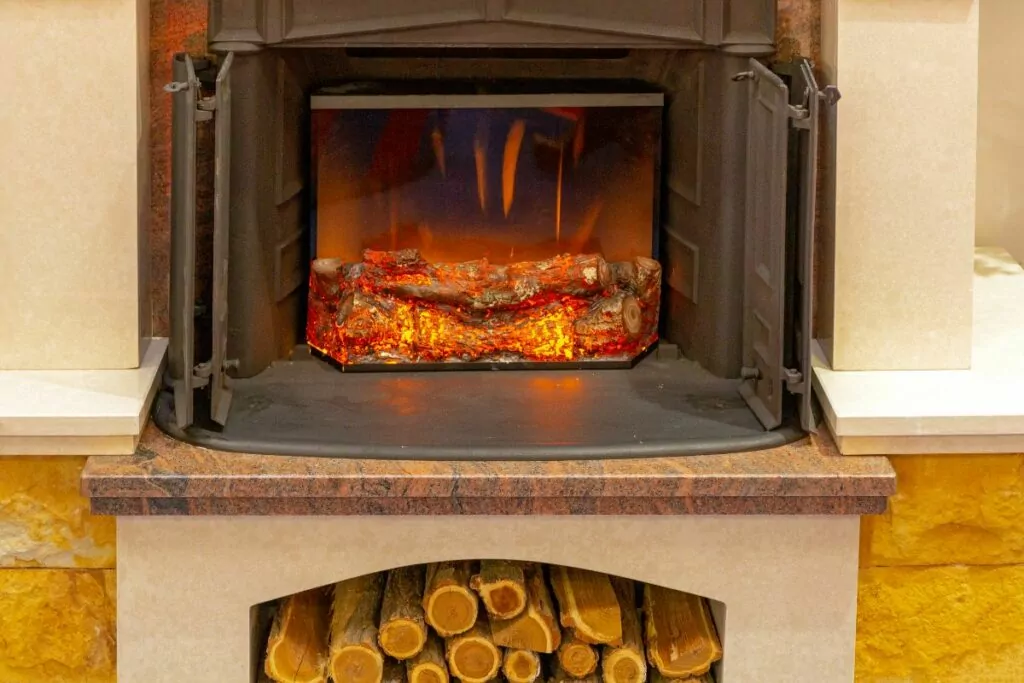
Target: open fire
[(478, 230), (396, 307)]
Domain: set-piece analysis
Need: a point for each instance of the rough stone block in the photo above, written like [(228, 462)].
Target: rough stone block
[(45, 521), (57, 625), (941, 624), (950, 509)]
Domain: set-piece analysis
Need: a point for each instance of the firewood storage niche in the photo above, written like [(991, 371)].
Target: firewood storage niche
[(614, 207), (478, 621)]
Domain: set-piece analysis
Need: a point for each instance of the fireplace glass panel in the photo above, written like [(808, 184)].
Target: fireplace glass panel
[(506, 227)]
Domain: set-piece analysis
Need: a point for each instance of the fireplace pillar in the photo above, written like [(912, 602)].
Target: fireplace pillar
[(73, 130), (904, 199)]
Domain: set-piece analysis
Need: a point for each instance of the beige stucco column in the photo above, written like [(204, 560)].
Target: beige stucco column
[(905, 165), (72, 200)]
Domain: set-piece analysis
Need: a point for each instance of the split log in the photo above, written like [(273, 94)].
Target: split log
[(429, 665), (625, 663), (449, 604), (560, 675), (472, 656), (656, 677), (502, 588), (680, 633), (588, 605), (521, 666), (577, 658), (354, 654), (535, 628), (394, 672), (403, 630), (297, 648)]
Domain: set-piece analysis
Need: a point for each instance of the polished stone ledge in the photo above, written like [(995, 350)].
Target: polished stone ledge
[(170, 477)]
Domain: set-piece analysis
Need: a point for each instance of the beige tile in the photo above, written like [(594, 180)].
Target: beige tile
[(70, 134), (905, 175)]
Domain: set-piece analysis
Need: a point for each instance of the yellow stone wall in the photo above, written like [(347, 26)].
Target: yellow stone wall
[(57, 583), (942, 574)]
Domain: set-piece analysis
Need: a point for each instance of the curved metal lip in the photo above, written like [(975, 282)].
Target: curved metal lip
[(163, 416)]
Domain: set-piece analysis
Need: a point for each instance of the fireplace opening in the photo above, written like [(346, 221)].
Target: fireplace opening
[(626, 229), (479, 621), (498, 229)]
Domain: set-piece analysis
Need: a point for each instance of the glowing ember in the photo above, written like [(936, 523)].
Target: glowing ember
[(394, 307)]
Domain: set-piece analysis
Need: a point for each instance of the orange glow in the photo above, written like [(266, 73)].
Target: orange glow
[(396, 307)]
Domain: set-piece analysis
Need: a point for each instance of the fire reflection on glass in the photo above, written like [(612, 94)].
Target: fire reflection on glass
[(483, 234)]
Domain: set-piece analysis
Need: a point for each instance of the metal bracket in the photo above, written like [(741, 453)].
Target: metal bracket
[(794, 380), (830, 95), (750, 373), (744, 76)]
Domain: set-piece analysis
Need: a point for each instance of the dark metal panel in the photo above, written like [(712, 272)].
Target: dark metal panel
[(681, 20), (749, 23), (185, 89), (220, 389), (238, 21), (305, 19), (765, 229)]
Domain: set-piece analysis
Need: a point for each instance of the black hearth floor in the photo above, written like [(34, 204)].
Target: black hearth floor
[(658, 408)]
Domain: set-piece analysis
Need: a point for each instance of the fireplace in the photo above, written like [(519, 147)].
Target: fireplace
[(614, 208)]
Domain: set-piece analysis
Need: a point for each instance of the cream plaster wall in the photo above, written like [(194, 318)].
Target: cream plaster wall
[(1001, 128), (186, 584), (73, 151), (905, 181)]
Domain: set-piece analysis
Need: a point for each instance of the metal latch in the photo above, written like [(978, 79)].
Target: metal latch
[(204, 106), (794, 381)]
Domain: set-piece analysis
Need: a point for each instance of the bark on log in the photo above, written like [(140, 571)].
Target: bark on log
[(354, 654), (680, 633), (472, 656), (403, 630), (429, 665), (521, 666), (656, 677), (297, 647), (562, 676), (625, 663), (448, 602), (480, 285), (502, 588), (394, 672), (535, 628), (587, 604), (617, 317), (578, 658)]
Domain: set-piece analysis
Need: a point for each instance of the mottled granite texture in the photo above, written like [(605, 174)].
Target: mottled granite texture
[(169, 477)]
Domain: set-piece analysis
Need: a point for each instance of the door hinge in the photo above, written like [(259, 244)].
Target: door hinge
[(205, 106), (201, 373), (794, 381), (750, 373)]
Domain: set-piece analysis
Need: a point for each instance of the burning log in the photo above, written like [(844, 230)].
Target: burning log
[(354, 654), (578, 658), (429, 665), (587, 604), (472, 656), (502, 588), (403, 631), (521, 666), (297, 648), (535, 628), (681, 637), (449, 604), (394, 306), (625, 663)]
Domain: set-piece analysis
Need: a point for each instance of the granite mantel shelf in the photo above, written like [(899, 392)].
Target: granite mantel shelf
[(170, 477)]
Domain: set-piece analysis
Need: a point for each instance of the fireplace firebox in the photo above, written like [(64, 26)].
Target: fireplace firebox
[(615, 206)]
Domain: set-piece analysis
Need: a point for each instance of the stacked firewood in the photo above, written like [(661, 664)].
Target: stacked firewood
[(492, 620)]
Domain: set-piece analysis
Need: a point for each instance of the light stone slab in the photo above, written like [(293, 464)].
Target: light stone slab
[(79, 412), (947, 411), (73, 201), (905, 161), (186, 585)]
